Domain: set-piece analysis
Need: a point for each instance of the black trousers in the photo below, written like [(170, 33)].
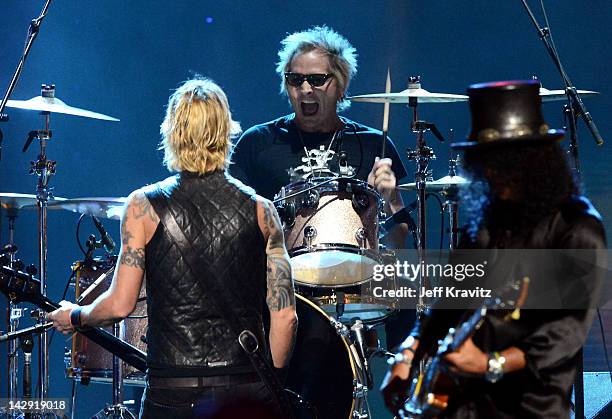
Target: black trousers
[(250, 400)]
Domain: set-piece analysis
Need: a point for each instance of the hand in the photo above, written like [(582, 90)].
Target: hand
[(382, 178), (395, 385), (468, 359), (61, 317)]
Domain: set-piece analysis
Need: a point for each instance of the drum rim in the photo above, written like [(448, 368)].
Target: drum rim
[(344, 342), (331, 186), (326, 300)]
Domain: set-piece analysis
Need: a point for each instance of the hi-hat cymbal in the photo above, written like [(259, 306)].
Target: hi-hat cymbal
[(100, 207), (421, 96), (9, 200), (437, 185), (53, 104), (554, 95)]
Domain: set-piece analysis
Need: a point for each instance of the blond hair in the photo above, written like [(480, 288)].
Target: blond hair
[(198, 127), (342, 56)]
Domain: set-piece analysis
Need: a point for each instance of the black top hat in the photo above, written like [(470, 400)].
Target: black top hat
[(507, 113)]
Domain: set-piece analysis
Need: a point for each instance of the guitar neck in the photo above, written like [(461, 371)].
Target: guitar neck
[(126, 352), (467, 328)]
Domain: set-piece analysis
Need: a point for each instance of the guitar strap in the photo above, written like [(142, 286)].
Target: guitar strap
[(223, 304)]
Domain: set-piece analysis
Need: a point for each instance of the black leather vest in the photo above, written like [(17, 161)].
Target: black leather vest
[(186, 336)]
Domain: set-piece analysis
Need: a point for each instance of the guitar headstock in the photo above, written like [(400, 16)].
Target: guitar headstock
[(17, 282)]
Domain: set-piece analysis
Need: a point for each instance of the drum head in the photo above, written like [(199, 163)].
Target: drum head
[(321, 369), (332, 266)]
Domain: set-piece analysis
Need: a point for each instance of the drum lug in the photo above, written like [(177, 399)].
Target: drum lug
[(359, 390), (310, 233), (361, 235), (340, 328), (67, 358), (312, 200), (360, 202)]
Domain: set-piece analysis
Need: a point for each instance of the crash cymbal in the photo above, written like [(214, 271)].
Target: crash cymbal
[(10, 200), (437, 185), (55, 105), (421, 95), (554, 95), (100, 207)]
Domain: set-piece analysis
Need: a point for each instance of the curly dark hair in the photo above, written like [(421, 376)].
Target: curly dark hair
[(538, 176)]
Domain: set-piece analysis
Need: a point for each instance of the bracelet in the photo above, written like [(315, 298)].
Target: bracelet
[(75, 316), (401, 358), (495, 367), (407, 344)]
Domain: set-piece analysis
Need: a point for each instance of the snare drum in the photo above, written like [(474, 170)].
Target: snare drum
[(331, 230), (88, 361), (331, 233)]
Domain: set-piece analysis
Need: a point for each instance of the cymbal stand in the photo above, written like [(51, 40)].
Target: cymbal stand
[(14, 313), (451, 204), (117, 410), (421, 155), (44, 169), (361, 383)]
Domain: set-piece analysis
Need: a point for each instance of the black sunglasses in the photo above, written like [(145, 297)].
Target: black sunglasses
[(315, 80)]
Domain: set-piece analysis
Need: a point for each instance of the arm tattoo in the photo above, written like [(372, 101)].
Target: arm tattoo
[(142, 207), (133, 257), (280, 282), (272, 225), (139, 206), (125, 233)]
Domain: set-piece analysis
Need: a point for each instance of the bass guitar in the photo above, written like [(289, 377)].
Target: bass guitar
[(19, 286)]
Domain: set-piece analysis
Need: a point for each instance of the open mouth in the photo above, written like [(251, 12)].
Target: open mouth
[(309, 108)]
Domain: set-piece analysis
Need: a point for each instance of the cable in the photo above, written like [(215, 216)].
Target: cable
[(78, 240)]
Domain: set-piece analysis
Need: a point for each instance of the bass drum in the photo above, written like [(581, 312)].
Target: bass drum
[(324, 368), (88, 361)]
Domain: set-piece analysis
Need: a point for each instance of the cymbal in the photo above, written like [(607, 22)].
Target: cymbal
[(100, 207), (437, 185), (9, 200), (421, 95), (55, 105), (554, 95)]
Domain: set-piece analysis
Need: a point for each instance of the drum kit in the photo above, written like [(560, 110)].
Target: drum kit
[(333, 235)]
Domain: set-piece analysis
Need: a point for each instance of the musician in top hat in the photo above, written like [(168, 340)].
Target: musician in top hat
[(523, 198)]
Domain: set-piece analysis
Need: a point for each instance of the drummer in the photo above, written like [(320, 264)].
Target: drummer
[(315, 67)]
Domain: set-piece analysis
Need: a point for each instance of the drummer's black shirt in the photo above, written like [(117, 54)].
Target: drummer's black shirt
[(266, 154)]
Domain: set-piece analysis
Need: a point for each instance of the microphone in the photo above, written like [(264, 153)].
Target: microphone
[(402, 216), (107, 240)]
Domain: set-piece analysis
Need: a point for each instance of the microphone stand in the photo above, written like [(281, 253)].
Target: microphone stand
[(33, 30), (39, 328), (574, 109), (575, 102)]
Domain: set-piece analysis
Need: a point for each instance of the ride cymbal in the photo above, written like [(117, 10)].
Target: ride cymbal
[(55, 105)]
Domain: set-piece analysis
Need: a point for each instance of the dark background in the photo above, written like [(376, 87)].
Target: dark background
[(124, 58)]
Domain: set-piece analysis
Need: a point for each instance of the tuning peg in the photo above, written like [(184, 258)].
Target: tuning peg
[(31, 270)]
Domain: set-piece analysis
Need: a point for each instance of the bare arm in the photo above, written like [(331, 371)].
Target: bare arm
[(120, 299), (280, 296)]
